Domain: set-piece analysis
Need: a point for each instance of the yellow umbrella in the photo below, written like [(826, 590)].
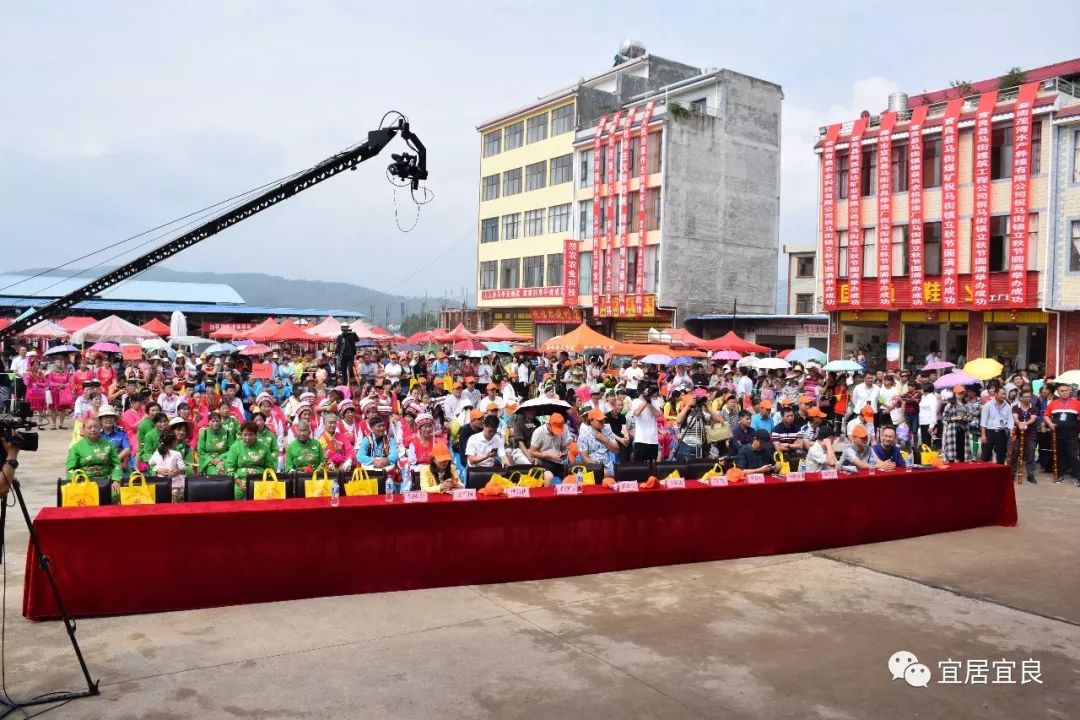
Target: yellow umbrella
[(983, 368), (1072, 377)]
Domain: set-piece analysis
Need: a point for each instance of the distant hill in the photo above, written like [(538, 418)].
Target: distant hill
[(271, 290)]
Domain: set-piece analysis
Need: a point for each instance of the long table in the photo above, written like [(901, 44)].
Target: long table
[(153, 558)]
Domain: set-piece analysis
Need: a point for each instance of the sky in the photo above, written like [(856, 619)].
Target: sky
[(122, 115)]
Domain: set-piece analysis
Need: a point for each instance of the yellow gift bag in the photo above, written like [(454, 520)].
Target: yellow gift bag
[(269, 488), (80, 492), (316, 487), (534, 478), (672, 474), (927, 456), (783, 467), (361, 484), (503, 481), (714, 471), (588, 477), (140, 494)]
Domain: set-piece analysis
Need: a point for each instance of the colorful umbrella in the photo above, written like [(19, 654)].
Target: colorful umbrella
[(220, 349), (656, 359), (939, 365), (256, 349), (772, 363), (843, 366), (105, 347), (953, 379), (674, 362), (806, 354), (469, 346), (56, 350), (1071, 377), (726, 355), (983, 368)]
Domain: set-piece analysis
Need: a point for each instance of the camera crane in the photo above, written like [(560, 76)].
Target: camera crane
[(411, 168)]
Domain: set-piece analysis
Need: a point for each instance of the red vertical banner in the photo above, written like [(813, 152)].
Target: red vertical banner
[(624, 211), (980, 225), (855, 268), (828, 217), (643, 184), (884, 208), (916, 260), (1021, 174), (609, 220), (570, 272), (950, 203), (597, 241)]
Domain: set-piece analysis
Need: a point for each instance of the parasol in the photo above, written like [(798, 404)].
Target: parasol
[(105, 347), (256, 349)]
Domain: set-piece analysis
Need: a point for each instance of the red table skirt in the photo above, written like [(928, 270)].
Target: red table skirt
[(136, 559)]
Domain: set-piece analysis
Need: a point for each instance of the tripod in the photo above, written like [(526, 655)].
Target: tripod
[(7, 705)]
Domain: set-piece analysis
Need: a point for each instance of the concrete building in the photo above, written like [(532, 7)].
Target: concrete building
[(801, 279), (976, 192), (701, 176)]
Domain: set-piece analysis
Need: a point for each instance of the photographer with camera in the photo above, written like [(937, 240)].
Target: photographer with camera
[(692, 421), (9, 462), (15, 436), (646, 409)]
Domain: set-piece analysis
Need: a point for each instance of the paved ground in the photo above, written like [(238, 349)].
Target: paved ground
[(795, 636)]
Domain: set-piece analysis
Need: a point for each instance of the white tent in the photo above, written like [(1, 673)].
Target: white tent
[(111, 329)]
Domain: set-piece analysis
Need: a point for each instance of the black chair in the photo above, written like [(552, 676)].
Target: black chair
[(104, 490), (694, 470), (477, 477), (162, 488), (638, 472), (291, 483), (208, 488), (666, 467)]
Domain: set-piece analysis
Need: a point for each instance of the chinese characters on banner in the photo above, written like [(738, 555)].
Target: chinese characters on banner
[(980, 227), (521, 293), (609, 220), (916, 266), (624, 214), (855, 269), (950, 205), (884, 208), (570, 272), (608, 308), (643, 184), (597, 241), (1018, 219), (828, 216)]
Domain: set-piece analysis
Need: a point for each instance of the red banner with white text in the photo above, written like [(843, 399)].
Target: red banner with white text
[(1021, 174), (597, 241), (609, 219), (855, 264), (643, 184), (828, 217), (980, 225), (570, 272), (624, 210), (884, 208), (916, 259), (950, 203)]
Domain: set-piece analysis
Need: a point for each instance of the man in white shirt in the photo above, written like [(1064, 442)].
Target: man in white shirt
[(864, 394), (523, 377), (681, 381), (744, 386), (471, 392), (452, 403), (484, 372), (632, 377), (20, 364), (486, 447), (645, 410)]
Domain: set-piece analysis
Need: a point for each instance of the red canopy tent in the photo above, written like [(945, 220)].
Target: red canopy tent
[(363, 332), (262, 331), (289, 331), (460, 332), (731, 341), (156, 326), (501, 333), (225, 332), (419, 338), (4, 322), (676, 337), (783, 354), (74, 323)]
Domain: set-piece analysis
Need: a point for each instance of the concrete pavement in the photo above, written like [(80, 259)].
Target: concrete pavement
[(795, 636)]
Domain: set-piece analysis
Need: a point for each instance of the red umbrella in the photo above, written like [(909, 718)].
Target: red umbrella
[(289, 331), (74, 323), (156, 326), (501, 333), (731, 341), (468, 345), (256, 349), (783, 354)]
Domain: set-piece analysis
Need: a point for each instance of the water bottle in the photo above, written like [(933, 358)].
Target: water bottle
[(335, 493), (580, 479), (389, 490)]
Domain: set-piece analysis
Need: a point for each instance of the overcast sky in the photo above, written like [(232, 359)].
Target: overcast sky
[(120, 115)]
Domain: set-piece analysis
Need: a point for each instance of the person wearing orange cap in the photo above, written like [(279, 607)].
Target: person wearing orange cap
[(474, 425), (859, 454), (596, 442), (452, 403), (471, 392), (865, 419), (439, 475), (486, 448), (762, 419), (815, 420), (549, 447)]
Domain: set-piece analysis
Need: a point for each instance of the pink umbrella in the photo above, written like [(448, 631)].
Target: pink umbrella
[(255, 349), (726, 355), (468, 345), (939, 365), (953, 379), (105, 347)]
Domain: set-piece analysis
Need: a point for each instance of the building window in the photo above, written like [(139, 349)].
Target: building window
[(562, 169), (652, 267), (931, 164), (534, 222), (559, 218), (512, 182), (1074, 246), (868, 175), (698, 105), (656, 152), (562, 119), (491, 187), (842, 176), (999, 243), (804, 303), (1036, 147), (554, 270), (869, 252), (900, 238), (618, 159), (585, 273), (511, 226), (536, 128), (635, 144), (932, 248), (1076, 157), (515, 135), (585, 165), (492, 142), (489, 230), (631, 210), (1001, 151), (841, 255), (631, 270), (536, 176), (899, 168), (603, 164), (533, 275), (489, 275), (804, 266), (585, 220), (652, 209), (508, 273)]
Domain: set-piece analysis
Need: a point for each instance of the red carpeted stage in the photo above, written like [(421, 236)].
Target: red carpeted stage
[(137, 559)]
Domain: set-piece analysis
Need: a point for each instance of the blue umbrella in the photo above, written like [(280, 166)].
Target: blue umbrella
[(499, 347), (61, 349), (843, 366), (220, 349), (681, 361), (806, 354)]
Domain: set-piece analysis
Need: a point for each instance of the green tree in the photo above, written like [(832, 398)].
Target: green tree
[(416, 322), (1014, 77), (963, 86)]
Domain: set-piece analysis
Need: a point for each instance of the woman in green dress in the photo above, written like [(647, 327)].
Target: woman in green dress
[(93, 455), (148, 442), (213, 446), (248, 457)]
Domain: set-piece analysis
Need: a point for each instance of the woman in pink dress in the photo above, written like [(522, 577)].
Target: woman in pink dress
[(36, 387), (80, 376), (129, 422), (421, 446), (104, 372), (58, 381)]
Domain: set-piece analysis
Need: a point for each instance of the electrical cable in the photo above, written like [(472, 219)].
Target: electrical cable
[(439, 257)]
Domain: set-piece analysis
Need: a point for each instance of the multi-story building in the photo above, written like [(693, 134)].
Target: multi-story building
[(801, 280), (701, 175), (968, 200)]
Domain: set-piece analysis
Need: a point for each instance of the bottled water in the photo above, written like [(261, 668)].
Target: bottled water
[(580, 479), (335, 493), (389, 490)]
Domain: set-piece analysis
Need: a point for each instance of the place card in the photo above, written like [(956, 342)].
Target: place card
[(755, 478), (718, 482), (675, 483), (464, 494), (517, 492), (627, 486), (829, 475), (795, 477), (415, 496), (565, 488)]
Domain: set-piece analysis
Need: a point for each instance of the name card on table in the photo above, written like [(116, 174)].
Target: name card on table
[(570, 488), (755, 478), (517, 492), (415, 496), (627, 486), (675, 483), (464, 494), (795, 477), (718, 482), (829, 475)]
